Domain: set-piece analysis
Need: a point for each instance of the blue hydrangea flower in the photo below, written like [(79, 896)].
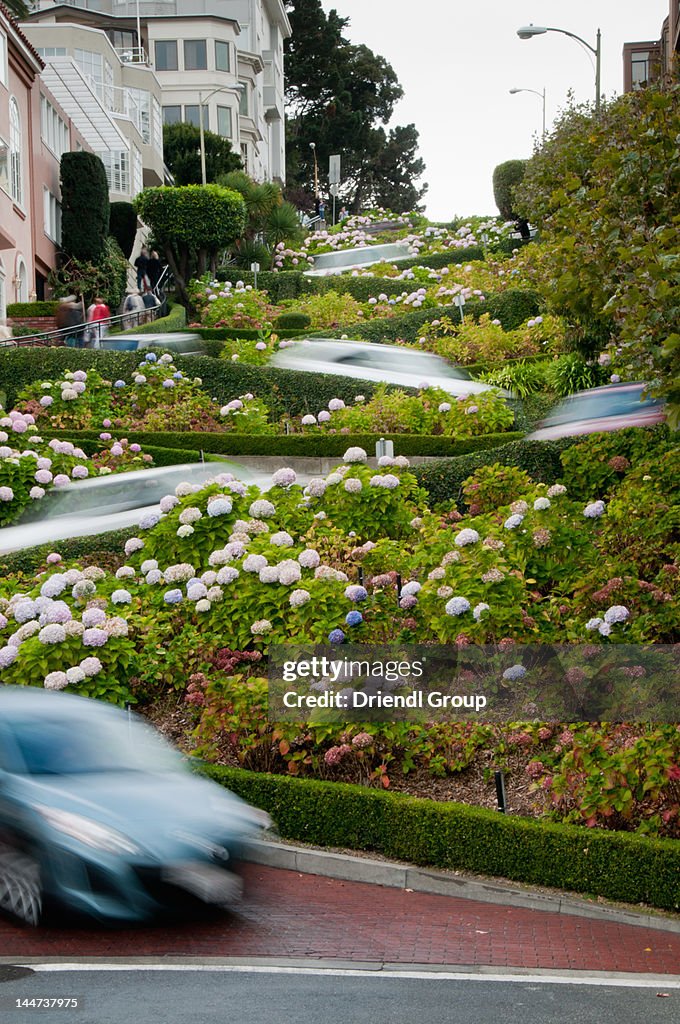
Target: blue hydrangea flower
[(354, 618), (172, 596), (515, 672), (336, 636), (457, 606), (356, 593), (178, 375), (150, 357), (119, 384)]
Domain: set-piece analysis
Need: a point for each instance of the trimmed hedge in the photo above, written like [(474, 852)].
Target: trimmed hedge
[(292, 322), (511, 307), (284, 391), (540, 459), (31, 309), (616, 865), (176, 320), (301, 445), (102, 546), (232, 333)]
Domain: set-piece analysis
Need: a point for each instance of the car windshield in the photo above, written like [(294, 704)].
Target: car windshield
[(592, 406), (72, 746)]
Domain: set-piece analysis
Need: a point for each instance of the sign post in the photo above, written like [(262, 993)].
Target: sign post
[(334, 177)]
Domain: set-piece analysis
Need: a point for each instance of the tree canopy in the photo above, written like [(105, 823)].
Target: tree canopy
[(191, 224), (182, 154), (340, 96), (603, 191)]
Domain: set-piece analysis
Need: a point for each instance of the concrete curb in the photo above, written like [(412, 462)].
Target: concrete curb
[(345, 867)]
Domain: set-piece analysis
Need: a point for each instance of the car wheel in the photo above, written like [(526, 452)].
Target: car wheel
[(21, 894)]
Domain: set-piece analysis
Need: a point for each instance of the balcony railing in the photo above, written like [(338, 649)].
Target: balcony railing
[(132, 55)]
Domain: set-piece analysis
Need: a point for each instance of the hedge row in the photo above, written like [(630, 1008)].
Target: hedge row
[(512, 307), (289, 284), (247, 333), (616, 865), (31, 309), (284, 391), (97, 550), (176, 320), (300, 445), (540, 459)]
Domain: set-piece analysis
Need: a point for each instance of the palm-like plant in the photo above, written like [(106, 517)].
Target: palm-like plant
[(270, 220)]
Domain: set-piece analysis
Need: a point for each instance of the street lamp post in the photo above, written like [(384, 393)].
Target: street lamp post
[(312, 146), (536, 93), (527, 31), (238, 87)]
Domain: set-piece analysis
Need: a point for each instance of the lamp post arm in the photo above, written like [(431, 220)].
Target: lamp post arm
[(596, 50)]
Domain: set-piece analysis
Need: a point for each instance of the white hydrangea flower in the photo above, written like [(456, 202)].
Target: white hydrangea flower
[(465, 537), (262, 509), (281, 539), (355, 455)]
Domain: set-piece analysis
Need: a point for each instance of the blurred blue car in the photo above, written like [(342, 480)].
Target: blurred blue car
[(99, 814)]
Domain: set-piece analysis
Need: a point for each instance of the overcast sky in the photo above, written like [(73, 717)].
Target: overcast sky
[(457, 59)]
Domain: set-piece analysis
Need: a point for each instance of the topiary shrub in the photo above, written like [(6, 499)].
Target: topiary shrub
[(123, 226), (292, 321), (107, 276), (505, 177), (84, 206), (26, 309)]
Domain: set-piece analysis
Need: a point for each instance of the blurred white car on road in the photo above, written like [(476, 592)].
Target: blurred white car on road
[(112, 502), (611, 407), (388, 364)]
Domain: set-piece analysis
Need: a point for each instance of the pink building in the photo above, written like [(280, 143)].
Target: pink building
[(34, 132)]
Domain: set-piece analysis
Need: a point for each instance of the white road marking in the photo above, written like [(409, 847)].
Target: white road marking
[(606, 980)]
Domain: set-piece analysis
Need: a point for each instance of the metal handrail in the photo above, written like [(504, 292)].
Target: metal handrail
[(59, 336)]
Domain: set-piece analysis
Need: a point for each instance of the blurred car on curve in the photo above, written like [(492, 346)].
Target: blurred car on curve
[(111, 502), (387, 364), (101, 816), (606, 408)]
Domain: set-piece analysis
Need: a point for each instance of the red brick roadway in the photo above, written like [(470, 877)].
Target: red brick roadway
[(287, 914)]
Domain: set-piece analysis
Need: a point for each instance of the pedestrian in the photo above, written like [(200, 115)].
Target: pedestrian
[(154, 269), (322, 211), (132, 307), (68, 318), (142, 265), (150, 301), (343, 215), (98, 318)]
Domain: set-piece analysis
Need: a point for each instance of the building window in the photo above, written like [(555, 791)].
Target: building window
[(157, 125), (192, 115), (91, 65), (137, 171), (166, 55), (16, 184), (195, 55), (52, 51), (172, 115), (639, 67), (222, 61), (122, 40), (243, 103), (4, 165), (3, 59), (52, 216), (138, 108), (224, 122), (53, 130), (117, 166)]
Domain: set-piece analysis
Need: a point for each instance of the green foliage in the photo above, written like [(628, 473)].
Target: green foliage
[(105, 549), (123, 226), (192, 224), (106, 277), (21, 309), (506, 177), (292, 321), (513, 307), (492, 486), (540, 459), (306, 445), (521, 377), (571, 373), (329, 310), (615, 865), (182, 154), (603, 190), (175, 320), (84, 206), (598, 462)]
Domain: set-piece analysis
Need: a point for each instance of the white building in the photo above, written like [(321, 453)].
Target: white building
[(115, 104), (223, 55)]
